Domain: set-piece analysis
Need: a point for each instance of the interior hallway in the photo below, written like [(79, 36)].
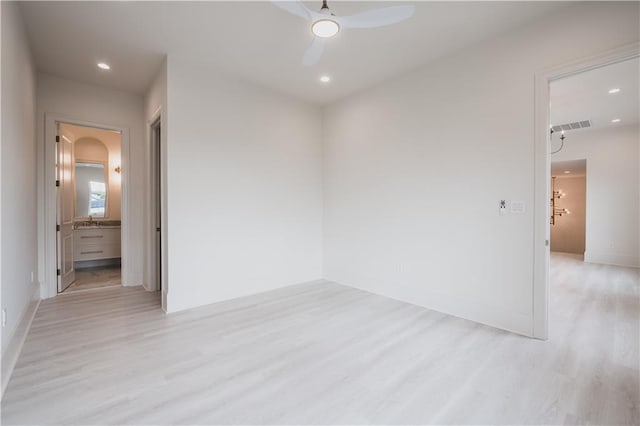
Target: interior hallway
[(325, 353)]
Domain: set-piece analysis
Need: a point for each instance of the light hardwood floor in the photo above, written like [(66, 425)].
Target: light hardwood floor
[(328, 354), (90, 278)]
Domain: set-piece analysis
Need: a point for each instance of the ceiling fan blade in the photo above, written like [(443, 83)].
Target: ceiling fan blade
[(294, 7), (314, 52), (377, 17)]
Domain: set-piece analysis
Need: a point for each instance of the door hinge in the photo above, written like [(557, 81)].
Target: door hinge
[(57, 182), (57, 138), (58, 272), (57, 228)]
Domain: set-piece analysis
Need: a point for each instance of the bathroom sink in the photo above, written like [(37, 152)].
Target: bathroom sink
[(107, 224)]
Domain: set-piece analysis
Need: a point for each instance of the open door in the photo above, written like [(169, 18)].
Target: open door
[(156, 180), (65, 210)]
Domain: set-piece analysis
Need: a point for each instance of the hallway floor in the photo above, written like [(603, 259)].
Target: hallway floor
[(323, 353), (91, 278)]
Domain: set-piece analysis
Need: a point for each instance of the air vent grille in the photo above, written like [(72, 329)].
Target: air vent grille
[(572, 126)]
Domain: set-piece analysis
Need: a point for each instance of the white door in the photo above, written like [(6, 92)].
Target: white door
[(156, 192), (66, 188)]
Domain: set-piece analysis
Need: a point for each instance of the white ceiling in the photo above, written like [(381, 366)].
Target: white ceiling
[(574, 167), (585, 96), (256, 41)]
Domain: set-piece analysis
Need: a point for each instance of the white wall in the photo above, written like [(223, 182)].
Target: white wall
[(1, 135), (568, 231), (613, 188), (416, 167), (244, 188), (111, 107), (18, 170), (156, 97)]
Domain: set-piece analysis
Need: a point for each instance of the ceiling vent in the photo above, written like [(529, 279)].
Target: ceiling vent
[(572, 126)]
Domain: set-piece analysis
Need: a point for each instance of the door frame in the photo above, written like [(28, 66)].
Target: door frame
[(154, 151), (48, 203), (542, 172), (152, 267)]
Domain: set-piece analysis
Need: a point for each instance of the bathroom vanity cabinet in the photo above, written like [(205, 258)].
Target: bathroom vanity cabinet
[(96, 243)]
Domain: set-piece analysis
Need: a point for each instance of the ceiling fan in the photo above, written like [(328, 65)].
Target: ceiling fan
[(324, 24)]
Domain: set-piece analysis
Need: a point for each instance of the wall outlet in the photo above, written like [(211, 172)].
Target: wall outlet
[(32, 276), (503, 207), (4, 317)]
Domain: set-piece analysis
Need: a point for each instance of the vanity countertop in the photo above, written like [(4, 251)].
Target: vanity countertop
[(84, 227), (97, 224)]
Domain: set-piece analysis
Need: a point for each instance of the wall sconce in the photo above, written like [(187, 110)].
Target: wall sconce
[(556, 195), (562, 138), (117, 169)]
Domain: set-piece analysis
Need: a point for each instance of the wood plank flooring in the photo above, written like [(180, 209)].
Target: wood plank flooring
[(90, 278), (327, 354)]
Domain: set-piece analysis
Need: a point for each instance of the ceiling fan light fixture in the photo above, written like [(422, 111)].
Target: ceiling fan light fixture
[(325, 28)]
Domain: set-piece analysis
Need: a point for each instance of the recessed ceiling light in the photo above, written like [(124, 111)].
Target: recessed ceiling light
[(103, 66), (567, 171), (325, 28), (616, 120), (325, 79), (614, 90)]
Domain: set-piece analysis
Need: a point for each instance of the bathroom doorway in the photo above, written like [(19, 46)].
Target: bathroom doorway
[(89, 200)]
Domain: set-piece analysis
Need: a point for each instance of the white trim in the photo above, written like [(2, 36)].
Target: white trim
[(155, 116), (470, 310), (151, 202), (151, 267), (542, 172), (47, 204), (18, 337), (616, 259)]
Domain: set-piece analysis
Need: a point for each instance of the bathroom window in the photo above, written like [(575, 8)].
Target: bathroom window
[(97, 197), (91, 189)]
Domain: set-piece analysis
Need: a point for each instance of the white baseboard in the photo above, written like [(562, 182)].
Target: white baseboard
[(615, 259), (237, 299), (468, 310), (13, 349)]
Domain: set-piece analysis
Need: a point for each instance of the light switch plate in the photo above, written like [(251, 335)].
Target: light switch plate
[(503, 207), (518, 207)]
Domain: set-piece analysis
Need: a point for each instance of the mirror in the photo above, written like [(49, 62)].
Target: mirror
[(91, 189)]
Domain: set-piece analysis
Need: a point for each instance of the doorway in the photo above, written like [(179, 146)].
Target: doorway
[(567, 207), (89, 200), (49, 213), (156, 203), (551, 146)]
